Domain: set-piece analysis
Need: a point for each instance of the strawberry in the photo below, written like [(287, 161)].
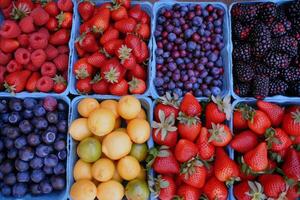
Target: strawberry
[(164, 187), (137, 86), (22, 56), (168, 104), (244, 141), (273, 111), (86, 9), (274, 185), (99, 85), (63, 49), (164, 131), (145, 19), (186, 191), (26, 24), (4, 57), (118, 13), (185, 150), (226, 170), (100, 21), (217, 111), (38, 40), (2, 73), (7, 12), (15, 82), (125, 25), (112, 46), (21, 8), (291, 122), (65, 5), (259, 122), (110, 34), (215, 189), (60, 84), (9, 29), (52, 24), (97, 59), (162, 161), (136, 12), (61, 62), (84, 85), (277, 139), (206, 149), (119, 89), (13, 66), (241, 115), (48, 69), (64, 19), (38, 57), (87, 42), (8, 45), (188, 127), (293, 193), (257, 158), (31, 83), (125, 3), (220, 135), (112, 71), (193, 172), (127, 58), (45, 84), (190, 105), (82, 69), (143, 30), (139, 47), (40, 16), (85, 28), (104, 6), (51, 8), (291, 165), (60, 37), (138, 72), (79, 50), (4, 3), (248, 190), (23, 40)]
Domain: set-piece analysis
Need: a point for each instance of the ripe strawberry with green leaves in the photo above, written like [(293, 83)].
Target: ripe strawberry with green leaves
[(60, 84), (277, 139), (40, 16), (112, 46), (273, 111), (257, 158), (112, 71), (162, 161), (65, 5), (274, 185), (125, 25), (259, 122), (189, 192), (97, 59), (138, 46), (21, 8), (163, 187), (60, 37), (188, 127), (185, 150), (137, 86), (82, 69), (99, 86), (244, 141), (86, 9), (143, 30), (84, 86), (110, 34), (51, 8), (291, 165), (118, 12), (240, 116), (87, 42), (168, 104), (164, 130), (138, 71), (248, 190), (215, 189), (100, 21), (220, 135), (119, 89), (217, 111), (190, 105), (64, 19), (16, 82), (126, 56), (291, 122), (206, 149)]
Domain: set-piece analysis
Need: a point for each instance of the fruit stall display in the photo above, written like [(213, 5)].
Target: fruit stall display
[(35, 46), (111, 138), (112, 45)]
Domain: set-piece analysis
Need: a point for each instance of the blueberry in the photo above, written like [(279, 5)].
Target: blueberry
[(62, 155), (6, 190), (62, 126), (1, 177), (37, 175), (48, 170), (29, 103), (216, 91), (51, 160), (15, 104), (171, 37), (198, 93), (26, 153), (6, 167), (207, 92), (48, 137), (33, 139), (35, 189), (25, 126), (14, 118), (158, 82), (57, 182), (42, 150), (59, 145), (46, 187), (23, 177), (61, 106), (8, 143), (12, 153), (3, 107), (21, 165), (50, 103), (19, 190), (213, 57), (39, 110), (59, 169), (27, 114), (4, 117), (2, 156), (10, 179), (36, 163), (52, 117), (178, 91), (188, 33), (40, 123), (20, 142)]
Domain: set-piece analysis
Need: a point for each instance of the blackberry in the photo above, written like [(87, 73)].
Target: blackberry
[(296, 24), (242, 52), (293, 9), (244, 72), (278, 29), (260, 33), (240, 32), (242, 89), (268, 12), (277, 59), (244, 12), (260, 87), (287, 44), (270, 72), (277, 87), (261, 48), (291, 74), (294, 89)]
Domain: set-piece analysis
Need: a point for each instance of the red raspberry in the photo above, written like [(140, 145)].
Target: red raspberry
[(23, 40), (32, 68), (63, 49), (45, 84), (38, 40), (40, 16), (22, 56), (13, 66), (48, 69), (51, 52), (26, 25), (38, 57)]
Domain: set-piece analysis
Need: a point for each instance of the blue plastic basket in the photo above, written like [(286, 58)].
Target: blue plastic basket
[(279, 2), (224, 53), (146, 6), (146, 104), (71, 49), (57, 195)]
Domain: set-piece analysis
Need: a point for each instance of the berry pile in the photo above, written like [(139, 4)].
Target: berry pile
[(189, 41), (32, 146), (267, 142), (112, 47), (191, 160), (265, 49), (34, 51)]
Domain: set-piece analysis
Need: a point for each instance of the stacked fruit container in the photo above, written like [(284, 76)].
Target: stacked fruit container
[(141, 100)]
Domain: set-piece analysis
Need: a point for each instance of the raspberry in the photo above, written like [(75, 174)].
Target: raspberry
[(63, 49), (23, 40), (45, 84), (26, 25), (51, 52), (22, 56), (38, 40), (13, 66), (40, 16), (48, 69), (38, 57)]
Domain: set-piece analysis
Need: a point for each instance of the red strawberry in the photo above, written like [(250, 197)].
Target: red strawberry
[(168, 105), (13, 66), (273, 184), (193, 173), (226, 170), (48, 69), (220, 135), (119, 13), (164, 131), (240, 116), (60, 84), (291, 165), (51, 8), (100, 21), (110, 34), (206, 149), (215, 189), (87, 42), (65, 19), (164, 187), (112, 71), (4, 3), (137, 86), (188, 127), (84, 85), (125, 25), (62, 62), (145, 19), (82, 69), (63, 49), (274, 112), (259, 122), (45, 84), (26, 25), (185, 150), (277, 139), (99, 85), (31, 83), (65, 5), (190, 105), (139, 47), (51, 52), (186, 191), (86, 9), (4, 57), (244, 141), (104, 6), (248, 190), (111, 46), (257, 158), (60, 37), (125, 3), (22, 56), (162, 161), (143, 30), (9, 29), (52, 24), (38, 57), (7, 11), (138, 72), (119, 89), (293, 193), (23, 40), (136, 12), (79, 50), (38, 40), (291, 122), (2, 73), (217, 111), (15, 82), (97, 59), (8, 45), (85, 28), (127, 58), (40, 16)]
